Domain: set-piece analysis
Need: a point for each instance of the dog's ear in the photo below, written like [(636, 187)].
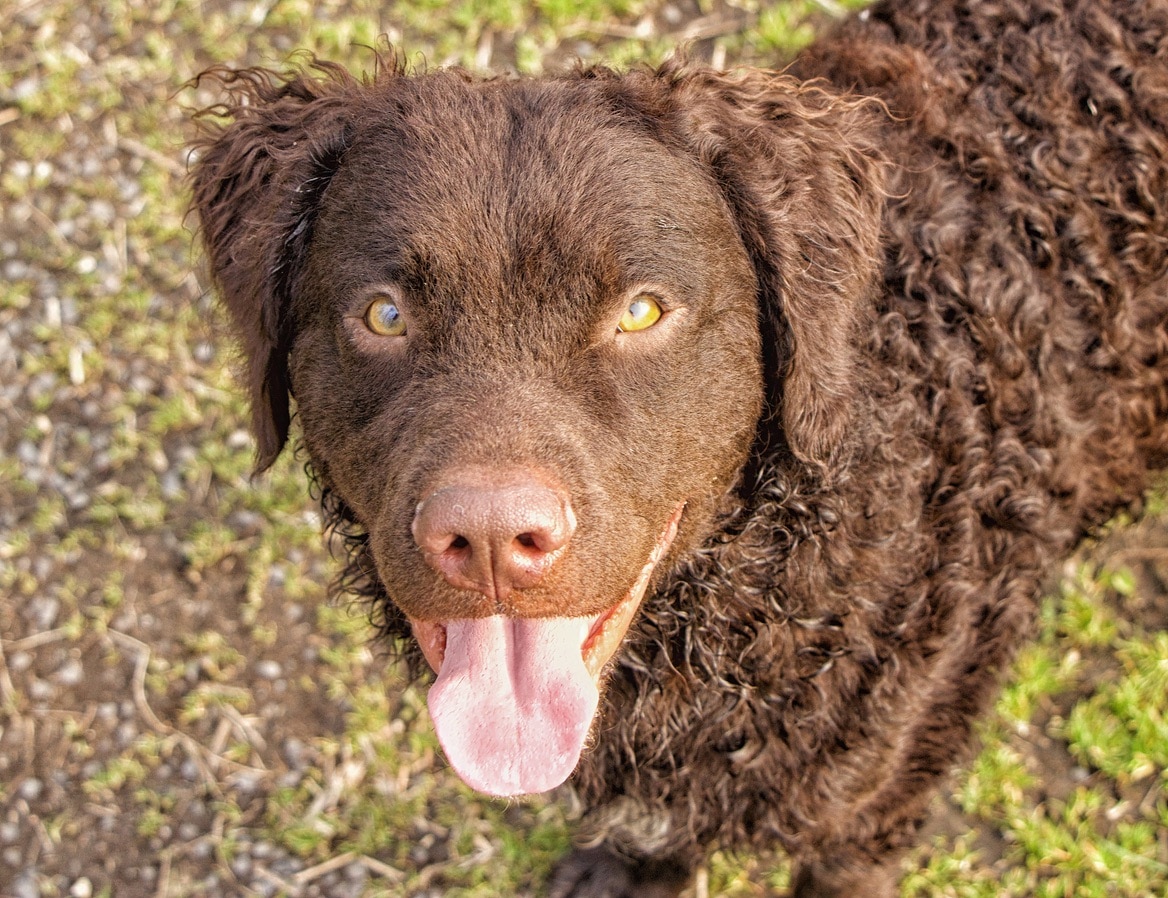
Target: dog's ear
[(804, 178), (256, 183)]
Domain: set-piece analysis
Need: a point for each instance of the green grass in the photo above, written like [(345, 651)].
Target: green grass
[(1104, 837), (1089, 696)]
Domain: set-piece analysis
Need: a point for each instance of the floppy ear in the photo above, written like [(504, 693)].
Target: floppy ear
[(256, 185), (803, 176)]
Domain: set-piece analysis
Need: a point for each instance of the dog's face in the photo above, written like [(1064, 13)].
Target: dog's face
[(463, 376), (506, 236), (521, 324)]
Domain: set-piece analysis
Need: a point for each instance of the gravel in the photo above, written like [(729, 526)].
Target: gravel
[(168, 669)]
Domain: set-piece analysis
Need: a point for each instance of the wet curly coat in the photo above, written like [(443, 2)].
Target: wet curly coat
[(923, 351)]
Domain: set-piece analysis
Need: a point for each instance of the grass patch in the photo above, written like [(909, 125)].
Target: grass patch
[(227, 717)]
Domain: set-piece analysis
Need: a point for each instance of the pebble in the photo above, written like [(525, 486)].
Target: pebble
[(82, 888), (71, 673), (286, 867), (245, 522), (30, 789), (269, 670), (126, 734), (25, 886), (238, 439), (43, 611), (171, 484), (15, 270), (188, 832), (295, 753), (241, 866), (27, 453), (357, 873), (247, 783)]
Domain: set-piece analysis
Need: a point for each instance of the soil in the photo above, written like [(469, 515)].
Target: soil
[(156, 698)]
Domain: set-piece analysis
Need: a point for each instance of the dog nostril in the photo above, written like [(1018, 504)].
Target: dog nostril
[(493, 537)]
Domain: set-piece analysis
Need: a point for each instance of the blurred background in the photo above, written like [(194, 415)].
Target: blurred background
[(184, 711)]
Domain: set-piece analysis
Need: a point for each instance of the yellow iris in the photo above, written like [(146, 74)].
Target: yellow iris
[(384, 318), (642, 313)]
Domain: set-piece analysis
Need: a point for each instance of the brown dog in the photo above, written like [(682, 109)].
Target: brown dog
[(710, 434)]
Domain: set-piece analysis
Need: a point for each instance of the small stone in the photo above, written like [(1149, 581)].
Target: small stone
[(15, 269), (27, 452), (71, 673), (43, 611), (356, 873), (30, 789), (238, 439), (25, 886), (102, 211), (295, 753), (126, 733), (247, 783), (82, 888), (269, 670), (171, 484), (244, 522), (241, 866)]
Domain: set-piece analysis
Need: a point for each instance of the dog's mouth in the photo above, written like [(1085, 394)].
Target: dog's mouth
[(514, 699)]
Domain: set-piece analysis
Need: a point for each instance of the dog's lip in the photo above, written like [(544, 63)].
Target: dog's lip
[(601, 634)]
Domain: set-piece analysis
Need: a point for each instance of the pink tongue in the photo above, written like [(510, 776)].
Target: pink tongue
[(513, 702)]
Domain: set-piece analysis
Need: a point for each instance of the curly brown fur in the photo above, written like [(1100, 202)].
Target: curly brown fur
[(932, 353)]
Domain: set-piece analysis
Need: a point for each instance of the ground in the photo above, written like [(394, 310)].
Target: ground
[(183, 709)]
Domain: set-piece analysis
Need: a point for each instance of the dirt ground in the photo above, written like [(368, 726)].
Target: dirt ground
[(183, 710)]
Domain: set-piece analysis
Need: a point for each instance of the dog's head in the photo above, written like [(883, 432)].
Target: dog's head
[(531, 328)]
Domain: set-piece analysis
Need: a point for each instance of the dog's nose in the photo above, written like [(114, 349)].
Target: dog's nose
[(493, 537)]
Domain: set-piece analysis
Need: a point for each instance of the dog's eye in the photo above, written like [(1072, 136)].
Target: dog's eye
[(384, 318), (642, 313)]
